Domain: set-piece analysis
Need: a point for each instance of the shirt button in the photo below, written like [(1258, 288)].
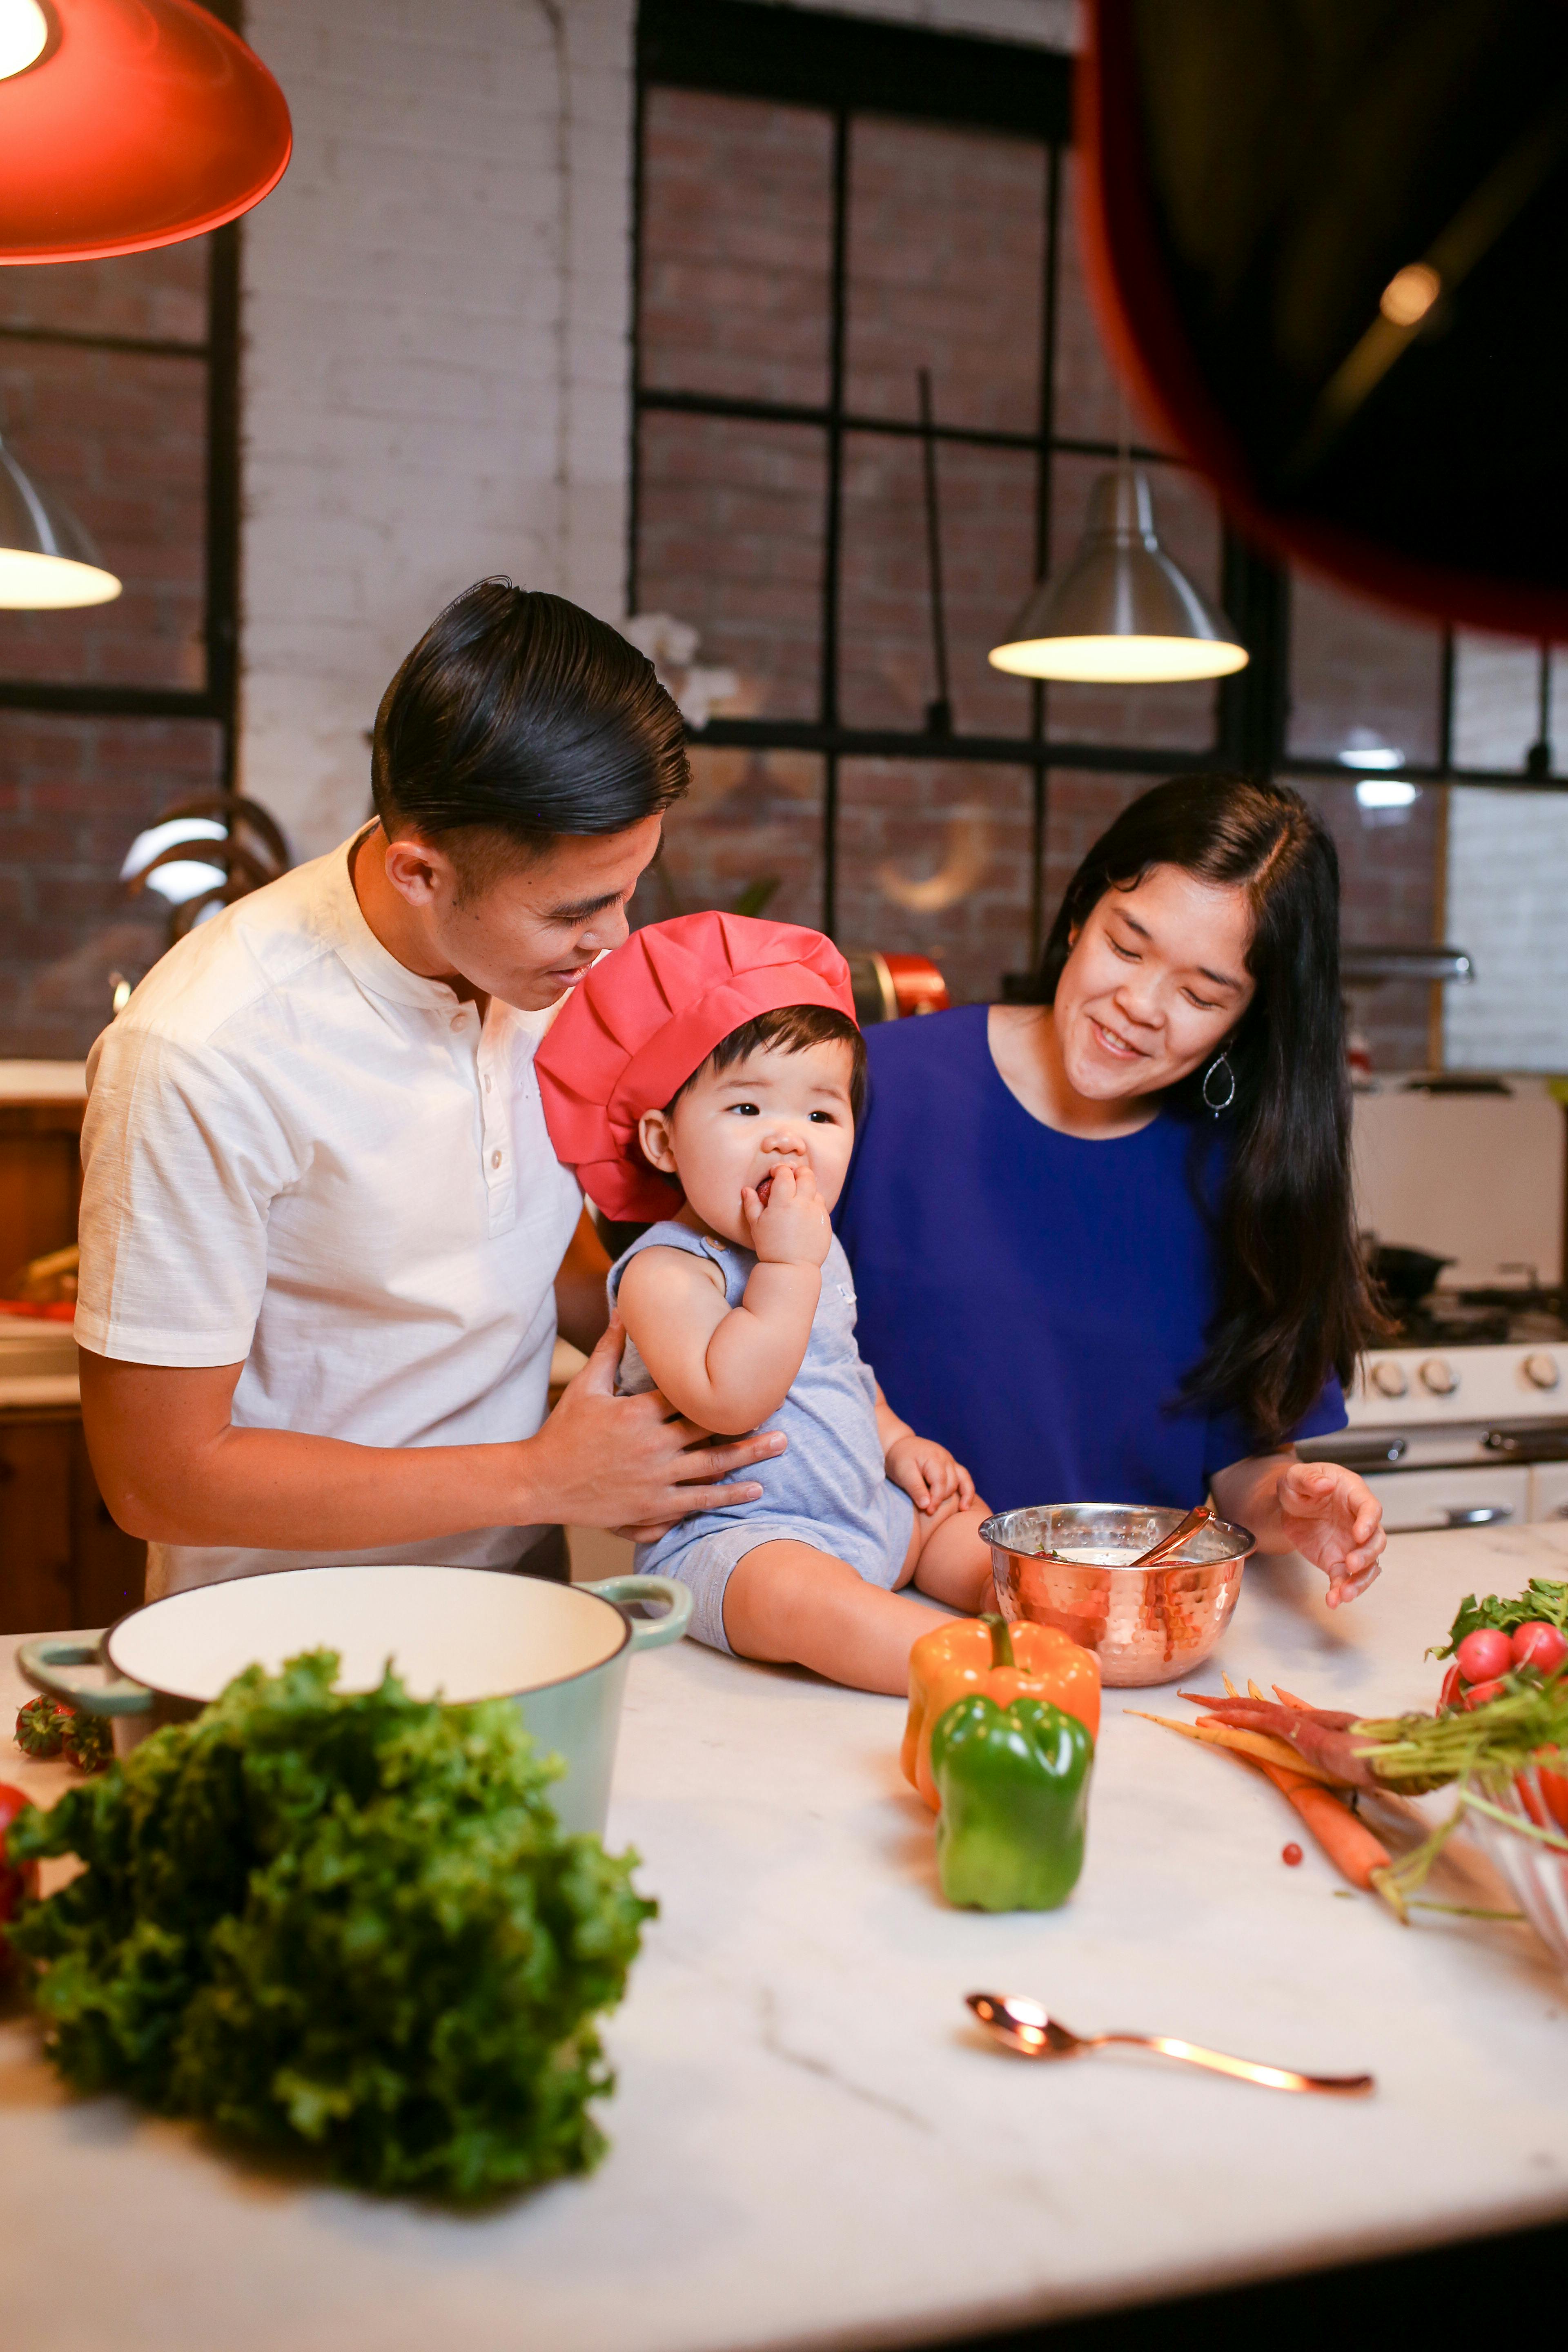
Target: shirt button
[(495, 1159), (457, 1020)]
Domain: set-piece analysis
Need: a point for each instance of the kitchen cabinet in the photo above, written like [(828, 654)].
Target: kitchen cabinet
[(63, 1562)]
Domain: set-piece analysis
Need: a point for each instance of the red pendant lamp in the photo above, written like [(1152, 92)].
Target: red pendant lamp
[(126, 125)]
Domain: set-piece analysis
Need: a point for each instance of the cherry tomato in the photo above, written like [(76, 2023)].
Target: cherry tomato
[(1540, 1645), (1484, 1654), (1479, 1692), (16, 1881), (1291, 1855)]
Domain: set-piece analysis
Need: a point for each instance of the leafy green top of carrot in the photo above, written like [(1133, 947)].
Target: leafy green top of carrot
[(1529, 1716)]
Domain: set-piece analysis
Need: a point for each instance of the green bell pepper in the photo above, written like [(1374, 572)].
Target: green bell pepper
[(1014, 1783)]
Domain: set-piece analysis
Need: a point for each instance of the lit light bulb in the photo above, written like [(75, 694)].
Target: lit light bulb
[(50, 583), (1410, 294), (1119, 661), (24, 32)]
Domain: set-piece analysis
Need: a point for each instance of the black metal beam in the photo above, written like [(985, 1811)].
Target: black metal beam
[(80, 701), (807, 56), (163, 347)]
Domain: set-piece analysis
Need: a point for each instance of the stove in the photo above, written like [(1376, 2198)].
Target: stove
[(1460, 1418)]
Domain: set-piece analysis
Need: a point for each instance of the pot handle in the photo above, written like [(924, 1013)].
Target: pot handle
[(649, 1634), (41, 1660)]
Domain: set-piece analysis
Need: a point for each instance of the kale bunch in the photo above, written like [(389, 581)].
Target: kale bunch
[(346, 1923)]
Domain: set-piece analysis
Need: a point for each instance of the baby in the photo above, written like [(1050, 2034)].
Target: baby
[(723, 1052)]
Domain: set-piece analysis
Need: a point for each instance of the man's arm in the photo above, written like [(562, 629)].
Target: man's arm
[(174, 1469), (582, 1305)]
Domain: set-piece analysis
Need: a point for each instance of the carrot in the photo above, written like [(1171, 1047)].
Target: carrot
[(1289, 1698), (1257, 1747), (1348, 1842)]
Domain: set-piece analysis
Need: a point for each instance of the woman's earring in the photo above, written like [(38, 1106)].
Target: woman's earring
[(1212, 1076)]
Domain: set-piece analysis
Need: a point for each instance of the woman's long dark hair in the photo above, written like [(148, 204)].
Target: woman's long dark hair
[(1294, 1302)]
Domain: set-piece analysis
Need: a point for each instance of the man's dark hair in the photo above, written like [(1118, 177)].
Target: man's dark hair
[(518, 718), (792, 1029)]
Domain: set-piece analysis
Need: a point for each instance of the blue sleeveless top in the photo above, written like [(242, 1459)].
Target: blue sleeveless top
[(1034, 1300), (830, 1488)]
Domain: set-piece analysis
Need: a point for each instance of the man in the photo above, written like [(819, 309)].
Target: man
[(325, 1245)]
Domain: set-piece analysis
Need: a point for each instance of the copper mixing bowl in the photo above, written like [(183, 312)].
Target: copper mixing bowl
[(1144, 1624)]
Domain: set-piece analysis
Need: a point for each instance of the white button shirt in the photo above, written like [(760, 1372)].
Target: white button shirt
[(300, 1156)]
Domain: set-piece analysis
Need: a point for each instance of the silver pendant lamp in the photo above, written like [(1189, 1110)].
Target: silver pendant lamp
[(47, 560), (1122, 613)]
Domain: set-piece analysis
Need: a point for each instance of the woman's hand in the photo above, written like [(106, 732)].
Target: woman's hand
[(927, 1472), (1333, 1518)]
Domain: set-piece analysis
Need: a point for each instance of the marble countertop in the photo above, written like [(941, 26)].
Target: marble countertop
[(811, 2144)]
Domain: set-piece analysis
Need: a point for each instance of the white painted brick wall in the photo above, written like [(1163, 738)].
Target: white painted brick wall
[(436, 359), (436, 345)]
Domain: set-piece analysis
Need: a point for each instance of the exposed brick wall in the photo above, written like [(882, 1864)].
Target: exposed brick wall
[(73, 794), (120, 438)]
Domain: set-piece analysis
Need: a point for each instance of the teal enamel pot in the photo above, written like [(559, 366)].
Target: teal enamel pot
[(560, 1651)]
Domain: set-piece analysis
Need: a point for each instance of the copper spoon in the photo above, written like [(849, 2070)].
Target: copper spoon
[(1022, 2026), (1198, 1516)]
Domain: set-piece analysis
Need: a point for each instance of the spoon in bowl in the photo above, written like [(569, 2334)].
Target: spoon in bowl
[(1022, 2026), (1198, 1516)]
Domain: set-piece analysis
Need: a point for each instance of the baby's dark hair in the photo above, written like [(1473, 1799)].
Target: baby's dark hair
[(793, 1028)]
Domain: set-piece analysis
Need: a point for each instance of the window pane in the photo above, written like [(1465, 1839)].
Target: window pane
[(988, 504), (120, 438), (751, 818), (1496, 703), (730, 522), (946, 272), (1078, 807), (737, 238), (161, 296), (1086, 400), (1182, 718), (74, 794), (1508, 877), (934, 859), (1388, 897), (1363, 680)]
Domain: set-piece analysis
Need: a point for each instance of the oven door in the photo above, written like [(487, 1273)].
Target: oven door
[(1549, 1491), (1420, 1500)]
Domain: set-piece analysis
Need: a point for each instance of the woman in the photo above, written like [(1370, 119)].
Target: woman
[(1103, 1244)]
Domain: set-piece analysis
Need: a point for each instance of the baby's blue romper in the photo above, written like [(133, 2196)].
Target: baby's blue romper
[(830, 1490)]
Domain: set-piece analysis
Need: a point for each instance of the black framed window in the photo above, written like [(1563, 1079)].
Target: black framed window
[(827, 205), (119, 393)]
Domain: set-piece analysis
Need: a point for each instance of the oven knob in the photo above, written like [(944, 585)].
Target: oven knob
[(1541, 1371), (1388, 1377), (1439, 1377)]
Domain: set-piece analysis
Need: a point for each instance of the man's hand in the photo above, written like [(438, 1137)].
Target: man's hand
[(791, 1226), (632, 1463), (1333, 1518), (927, 1472)]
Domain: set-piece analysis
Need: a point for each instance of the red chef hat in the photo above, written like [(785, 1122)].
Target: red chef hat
[(649, 1014)]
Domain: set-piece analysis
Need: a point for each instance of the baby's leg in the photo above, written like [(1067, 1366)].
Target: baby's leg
[(948, 1559), (791, 1605)]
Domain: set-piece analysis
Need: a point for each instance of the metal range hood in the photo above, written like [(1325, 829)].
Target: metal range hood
[(1371, 967)]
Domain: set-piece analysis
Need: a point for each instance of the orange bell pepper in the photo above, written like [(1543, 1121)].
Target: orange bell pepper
[(1000, 1661)]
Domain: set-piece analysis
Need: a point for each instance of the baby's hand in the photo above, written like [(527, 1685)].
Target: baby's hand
[(791, 1226), (928, 1471)]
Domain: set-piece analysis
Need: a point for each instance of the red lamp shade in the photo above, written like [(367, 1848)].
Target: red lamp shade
[(141, 122)]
